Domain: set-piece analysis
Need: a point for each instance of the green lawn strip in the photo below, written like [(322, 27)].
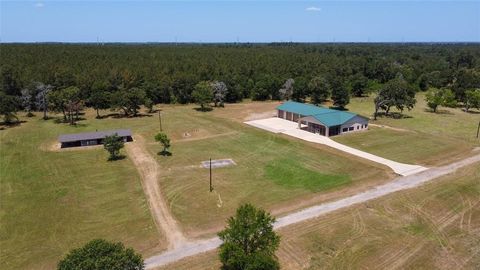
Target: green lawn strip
[(404, 146), (292, 174)]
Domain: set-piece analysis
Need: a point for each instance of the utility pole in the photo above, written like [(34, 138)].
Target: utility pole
[(478, 128), (211, 187), (160, 120)]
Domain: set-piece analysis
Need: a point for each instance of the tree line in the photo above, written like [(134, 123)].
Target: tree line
[(67, 77)]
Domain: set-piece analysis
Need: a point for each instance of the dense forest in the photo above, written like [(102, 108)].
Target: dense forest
[(65, 77)]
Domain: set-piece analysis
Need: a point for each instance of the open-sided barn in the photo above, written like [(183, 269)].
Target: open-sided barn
[(324, 121), (92, 138)]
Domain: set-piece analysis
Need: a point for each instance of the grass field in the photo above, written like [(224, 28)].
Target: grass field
[(447, 122), (422, 138), (292, 174), (433, 227), (54, 201), (258, 154), (408, 147)]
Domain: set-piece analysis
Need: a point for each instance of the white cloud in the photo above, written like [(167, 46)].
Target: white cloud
[(39, 5), (313, 9)]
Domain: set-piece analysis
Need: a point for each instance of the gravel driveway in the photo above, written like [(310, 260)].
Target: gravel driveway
[(398, 184)]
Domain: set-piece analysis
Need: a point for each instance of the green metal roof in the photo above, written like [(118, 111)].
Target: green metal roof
[(302, 108), (326, 116), (334, 118)]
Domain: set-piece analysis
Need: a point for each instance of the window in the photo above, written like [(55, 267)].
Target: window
[(358, 127), (366, 125), (350, 128), (344, 129)]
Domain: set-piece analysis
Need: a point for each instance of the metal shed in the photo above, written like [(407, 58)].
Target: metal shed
[(321, 120), (92, 138)]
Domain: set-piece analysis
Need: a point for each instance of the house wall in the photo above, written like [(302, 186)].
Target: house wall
[(91, 142), (314, 126), (281, 114), (357, 123), (288, 115)]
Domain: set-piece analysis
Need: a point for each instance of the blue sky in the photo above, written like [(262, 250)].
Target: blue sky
[(245, 21)]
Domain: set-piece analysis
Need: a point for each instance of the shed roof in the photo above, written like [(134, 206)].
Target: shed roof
[(326, 116), (93, 135), (302, 108), (334, 118)]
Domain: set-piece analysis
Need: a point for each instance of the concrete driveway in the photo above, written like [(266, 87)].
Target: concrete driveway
[(277, 125)]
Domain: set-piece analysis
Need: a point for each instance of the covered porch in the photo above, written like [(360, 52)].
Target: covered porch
[(312, 125)]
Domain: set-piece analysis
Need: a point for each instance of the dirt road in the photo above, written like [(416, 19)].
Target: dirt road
[(149, 171), (400, 183)]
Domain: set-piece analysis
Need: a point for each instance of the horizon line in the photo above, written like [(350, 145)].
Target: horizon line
[(238, 42)]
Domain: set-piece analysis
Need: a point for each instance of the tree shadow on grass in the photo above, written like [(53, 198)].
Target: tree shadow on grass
[(119, 157), (60, 120), (4, 125), (393, 115), (206, 109), (154, 111), (446, 112), (164, 153), (338, 108), (122, 115), (140, 115)]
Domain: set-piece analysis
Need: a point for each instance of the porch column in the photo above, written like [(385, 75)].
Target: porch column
[(327, 131)]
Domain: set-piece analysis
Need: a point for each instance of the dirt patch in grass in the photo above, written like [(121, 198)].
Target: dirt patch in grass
[(247, 111), (149, 171)]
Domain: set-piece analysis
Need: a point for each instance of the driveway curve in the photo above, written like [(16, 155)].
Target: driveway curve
[(278, 125)]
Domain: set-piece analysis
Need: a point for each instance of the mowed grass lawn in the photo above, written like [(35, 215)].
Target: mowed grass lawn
[(431, 227), (447, 122), (271, 171), (52, 202), (407, 147), (429, 138)]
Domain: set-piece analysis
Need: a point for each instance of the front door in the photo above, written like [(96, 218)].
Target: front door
[(317, 129)]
